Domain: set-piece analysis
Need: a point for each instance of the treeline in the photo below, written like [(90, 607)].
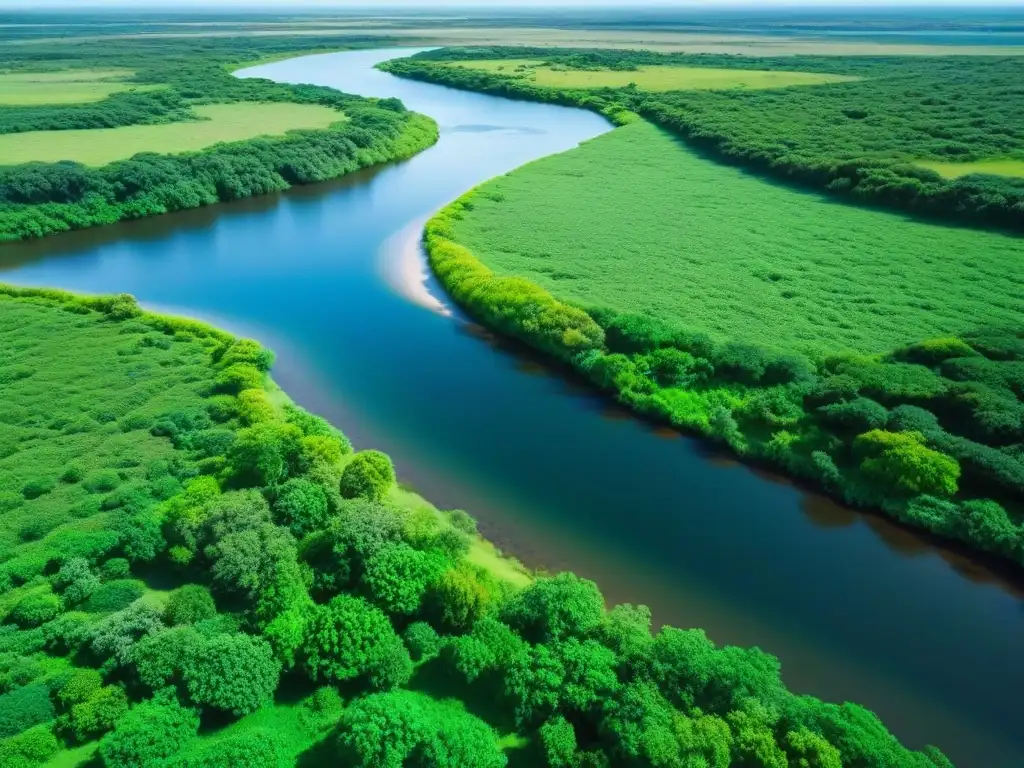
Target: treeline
[(299, 571), (860, 140), (933, 434), (38, 199)]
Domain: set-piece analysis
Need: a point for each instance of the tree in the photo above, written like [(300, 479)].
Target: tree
[(389, 730), (555, 608), (160, 657), (29, 748), (252, 749), (901, 460), (558, 740), (114, 636), (423, 642), (461, 596), (301, 506), (35, 609), (99, 713), (236, 673), (397, 577), (189, 604), (153, 730), (809, 750), (76, 581), (348, 638), (368, 475), (265, 453)]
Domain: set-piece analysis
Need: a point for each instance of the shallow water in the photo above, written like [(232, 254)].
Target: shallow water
[(856, 608)]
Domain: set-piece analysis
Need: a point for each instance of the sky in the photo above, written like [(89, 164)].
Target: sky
[(482, 4)]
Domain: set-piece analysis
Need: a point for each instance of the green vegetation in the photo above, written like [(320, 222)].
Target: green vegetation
[(297, 624), (987, 167), (867, 140), (67, 87), (747, 330), (648, 78), (217, 123), (795, 271), (219, 129)]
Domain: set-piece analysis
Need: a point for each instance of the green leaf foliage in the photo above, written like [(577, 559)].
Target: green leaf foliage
[(369, 475), (152, 731), (387, 730), (348, 638)]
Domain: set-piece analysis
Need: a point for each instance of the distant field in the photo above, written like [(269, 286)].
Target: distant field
[(995, 167), (744, 44), (73, 86), (651, 78), (636, 221), (224, 122)]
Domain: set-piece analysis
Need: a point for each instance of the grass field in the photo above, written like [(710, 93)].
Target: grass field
[(635, 221), (651, 78), (72, 86), (112, 385), (994, 167), (222, 122)]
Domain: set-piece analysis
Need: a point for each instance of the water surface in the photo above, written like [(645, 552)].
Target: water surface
[(856, 608)]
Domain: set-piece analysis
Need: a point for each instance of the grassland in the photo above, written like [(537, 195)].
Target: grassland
[(73, 86), (993, 167), (650, 78), (636, 221), (114, 380), (218, 123)]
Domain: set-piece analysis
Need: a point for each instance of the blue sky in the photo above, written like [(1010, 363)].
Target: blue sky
[(383, 4)]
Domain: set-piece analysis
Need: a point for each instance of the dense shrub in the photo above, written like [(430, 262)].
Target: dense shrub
[(348, 639), (115, 596), (36, 609), (23, 708), (369, 475), (234, 673), (151, 731), (301, 506), (29, 748), (391, 729), (189, 604)]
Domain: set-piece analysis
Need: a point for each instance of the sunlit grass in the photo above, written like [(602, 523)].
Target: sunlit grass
[(636, 221), (651, 78), (221, 122), (993, 167), (70, 86)]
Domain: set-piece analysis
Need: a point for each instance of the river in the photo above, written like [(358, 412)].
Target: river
[(856, 608)]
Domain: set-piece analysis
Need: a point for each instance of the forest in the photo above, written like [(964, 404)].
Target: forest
[(195, 572), (863, 140), (38, 199)]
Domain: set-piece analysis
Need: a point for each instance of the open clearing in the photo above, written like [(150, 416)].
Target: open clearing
[(994, 167), (223, 122), (72, 86), (636, 221), (651, 78)]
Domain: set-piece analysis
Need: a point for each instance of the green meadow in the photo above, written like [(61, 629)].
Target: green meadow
[(217, 123), (638, 222), (648, 78), (71, 86)]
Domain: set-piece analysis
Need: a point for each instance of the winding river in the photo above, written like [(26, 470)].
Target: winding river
[(330, 276)]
